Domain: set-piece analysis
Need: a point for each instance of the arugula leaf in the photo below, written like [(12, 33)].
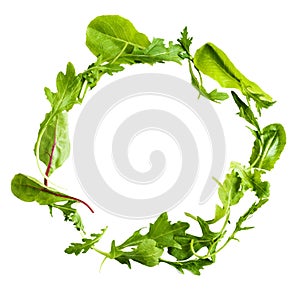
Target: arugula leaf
[(251, 179), (185, 42), (86, 245), (268, 147), (156, 52), (70, 214), (68, 89), (163, 232), (29, 189), (213, 62), (109, 36), (146, 253), (245, 111), (194, 266), (55, 144)]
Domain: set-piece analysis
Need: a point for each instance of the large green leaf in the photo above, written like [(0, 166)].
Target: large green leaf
[(213, 62), (29, 189), (109, 36), (55, 144), (267, 150)]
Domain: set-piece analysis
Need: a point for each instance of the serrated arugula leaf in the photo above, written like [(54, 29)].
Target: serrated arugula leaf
[(212, 61), (29, 189), (68, 89), (194, 266), (55, 144), (156, 52), (185, 42), (146, 253), (251, 180), (86, 245), (109, 36), (70, 214), (163, 232), (268, 147), (245, 111)]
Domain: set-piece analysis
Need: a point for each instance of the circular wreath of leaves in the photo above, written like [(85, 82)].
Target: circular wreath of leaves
[(115, 42)]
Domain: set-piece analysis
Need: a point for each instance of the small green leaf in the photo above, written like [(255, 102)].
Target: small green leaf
[(185, 42), (68, 89), (70, 214), (86, 245), (245, 111), (268, 148), (55, 144), (146, 253), (29, 189), (213, 62), (194, 266), (163, 232), (156, 52), (111, 35)]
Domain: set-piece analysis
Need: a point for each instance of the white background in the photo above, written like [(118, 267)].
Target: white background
[(38, 38)]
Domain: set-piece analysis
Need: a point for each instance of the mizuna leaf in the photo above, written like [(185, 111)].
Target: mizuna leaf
[(268, 148), (213, 62), (109, 36)]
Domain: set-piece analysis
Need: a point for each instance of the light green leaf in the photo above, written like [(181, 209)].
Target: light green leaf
[(268, 148), (146, 253), (68, 89), (213, 62), (111, 35), (55, 144), (29, 189)]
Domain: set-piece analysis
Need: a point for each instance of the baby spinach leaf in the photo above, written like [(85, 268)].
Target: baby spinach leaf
[(109, 36), (268, 148), (86, 245), (29, 189), (55, 144), (213, 62)]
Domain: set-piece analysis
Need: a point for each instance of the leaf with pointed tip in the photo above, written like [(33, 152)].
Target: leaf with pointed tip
[(213, 62)]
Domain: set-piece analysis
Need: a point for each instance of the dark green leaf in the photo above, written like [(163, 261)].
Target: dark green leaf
[(185, 42), (268, 148), (194, 266), (29, 189), (213, 62), (245, 111), (86, 245), (109, 36)]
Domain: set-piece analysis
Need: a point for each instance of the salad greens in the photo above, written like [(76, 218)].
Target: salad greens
[(115, 42)]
